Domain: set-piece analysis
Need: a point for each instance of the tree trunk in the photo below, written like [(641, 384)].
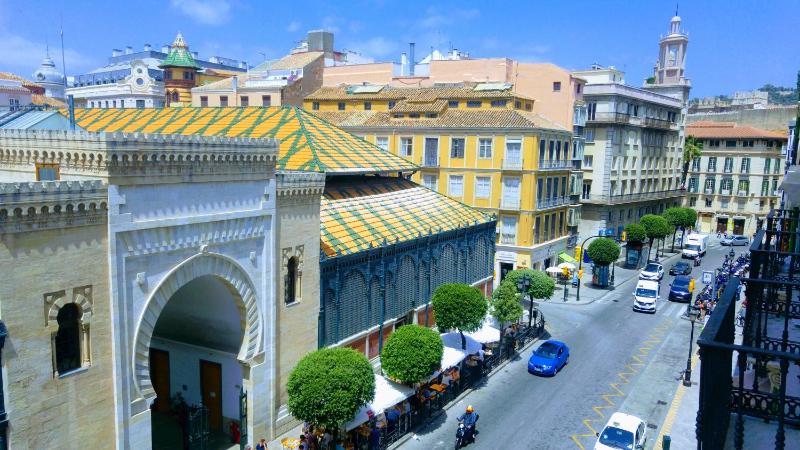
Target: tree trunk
[(685, 173), (674, 233), (463, 340), (683, 238), (649, 249)]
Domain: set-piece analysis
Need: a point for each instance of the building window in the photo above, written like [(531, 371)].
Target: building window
[(474, 104), (528, 106), (406, 146), (340, 106), (498, 103), (456, 185), (266, 100), (392, 103), (726, 185), (292, 277), (744, 187), (693, 181), (713, 142), (430, 182), (712, 164), (728, 168), (113, 103), (578, 88), (68, 339), (457, 148), (748, 143), (107, 100), (167, 74), (508, 230), (382, 142), (485, 148), (367, 106), (517, 104), (587, 161), (695, 164), (767, 162), (47, 172), (223, 100), (556, 86), (708, 203), (140, 104), (315, 106), (244, 100), (710, 185), (187, 75), (122, 103), (730, 144), (745, 165), (588, 134), (536, 228), (692, 202), (413, 115), (431, 115), (765, 188), (777, 166), (482, 187), (452, 103), (203, 101)]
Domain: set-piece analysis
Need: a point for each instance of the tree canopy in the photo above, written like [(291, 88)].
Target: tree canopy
[(689, 218), (635, 233), (412, 353), (505, 305), (542, 285), (603, 251), (459, 307), (675, 216), (327, 387), (655, 226), (692, 148)]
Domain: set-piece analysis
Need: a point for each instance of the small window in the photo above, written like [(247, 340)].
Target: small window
[(485, 148), (457, 148), (167, 74), (398, 116), (452, 104), (392, 103), (382, 142), (244, 100), (341, 106), (47, 172), (473, 104), (730, 143), (266, 100), (406, 146), (186, 75), (517, 104), (223, 100), (122, 103), (68, 339), (203, 101), (114, 103), (498, 103), (456, 187), (315, 106), (413, 115), (431, 115), (578, 88), (140, 104), (556, 86), (528, 106), (367, 106), (482, 187), (292, 278)]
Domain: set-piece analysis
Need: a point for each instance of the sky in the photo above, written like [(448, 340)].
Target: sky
[(734, 45)]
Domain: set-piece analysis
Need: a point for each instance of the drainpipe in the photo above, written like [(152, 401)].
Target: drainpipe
[(3, 417)]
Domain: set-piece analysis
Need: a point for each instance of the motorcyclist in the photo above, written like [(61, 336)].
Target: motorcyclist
[(469, 418), (697, 260)]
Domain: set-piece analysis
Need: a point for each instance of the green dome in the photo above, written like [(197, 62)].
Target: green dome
[(179, 55)]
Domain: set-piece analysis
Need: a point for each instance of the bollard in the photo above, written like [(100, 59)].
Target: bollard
[(666, 441)]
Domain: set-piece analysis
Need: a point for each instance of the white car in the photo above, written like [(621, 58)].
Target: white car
[(646, 295), (623, 431), (653, 271)]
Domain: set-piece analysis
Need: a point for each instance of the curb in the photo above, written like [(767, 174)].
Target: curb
[(669, 419), (464, 393)]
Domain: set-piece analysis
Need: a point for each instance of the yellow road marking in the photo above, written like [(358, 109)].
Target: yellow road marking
[(637, 359), (673, 409)]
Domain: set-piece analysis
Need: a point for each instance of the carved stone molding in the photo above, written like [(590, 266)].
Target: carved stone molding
[(52, 204), (54, 301)]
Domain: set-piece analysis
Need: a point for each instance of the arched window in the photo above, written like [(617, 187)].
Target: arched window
[(291, 280), (68, 339)]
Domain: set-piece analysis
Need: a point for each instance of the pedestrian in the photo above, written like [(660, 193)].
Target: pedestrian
[(313, 442), (262, 444), (327, 440), (375, 438)]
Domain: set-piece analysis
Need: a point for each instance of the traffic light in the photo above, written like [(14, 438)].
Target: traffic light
[(565, 271), (624, 237)]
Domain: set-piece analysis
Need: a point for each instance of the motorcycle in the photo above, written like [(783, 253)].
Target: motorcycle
[(697, 261), (464, 434)]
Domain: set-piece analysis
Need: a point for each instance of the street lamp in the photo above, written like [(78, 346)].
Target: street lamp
[(693, 312), (523, 284)]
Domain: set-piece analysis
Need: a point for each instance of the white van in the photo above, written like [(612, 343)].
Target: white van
[(696, 244), (646, 296)]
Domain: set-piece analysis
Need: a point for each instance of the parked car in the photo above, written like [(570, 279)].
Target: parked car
[(735, 240), (653, 271), (549, 358), (623, 431), (646, 296), (680, 268), (680, 290)]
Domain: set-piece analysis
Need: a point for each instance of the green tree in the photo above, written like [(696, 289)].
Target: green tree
[(412, 353), (675, 217), (603, 251), (656, 227), (635, 233), (459, 307), (505, 305), (328, 386), (542, 285), (692, 148)]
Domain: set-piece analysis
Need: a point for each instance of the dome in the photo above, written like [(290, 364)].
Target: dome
[(676, 19), (47, 73)]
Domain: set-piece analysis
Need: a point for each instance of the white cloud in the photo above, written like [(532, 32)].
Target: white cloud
[(435, 19), (293, 26), (23, 56), (207, 12), (331, 23), (375, 47)]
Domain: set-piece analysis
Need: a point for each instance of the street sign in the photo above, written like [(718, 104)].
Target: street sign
[(708, 277)]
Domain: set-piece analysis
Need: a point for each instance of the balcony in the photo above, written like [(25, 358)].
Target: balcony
[(553, 202), (709, 191), (634, 197), (742, 193), (661, 124), (557, 164), (725, 192), (610, 117), (749, 386), (577, 164), (512, 164)]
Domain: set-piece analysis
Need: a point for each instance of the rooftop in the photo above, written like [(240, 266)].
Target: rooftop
[(307, 142), (362, 212), (292, 61), (445, 91), (449, 118), (708, 129), (179, 55)]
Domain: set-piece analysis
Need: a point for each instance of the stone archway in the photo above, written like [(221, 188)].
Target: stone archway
[(204, 264)]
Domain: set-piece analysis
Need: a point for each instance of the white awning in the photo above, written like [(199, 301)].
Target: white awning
[(387, 394), (488, 333), (453, 340)]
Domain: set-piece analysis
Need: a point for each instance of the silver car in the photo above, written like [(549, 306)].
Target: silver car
[(653, 271), (734, 240)]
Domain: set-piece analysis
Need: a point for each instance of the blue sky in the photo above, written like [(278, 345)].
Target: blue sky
[(734, 44)]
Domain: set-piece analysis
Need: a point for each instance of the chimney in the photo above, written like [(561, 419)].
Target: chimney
[(116, 52), (214, 59), (194, 55), (243, 64), (147, 47), (128, 50), (411, 61), (235, 86), (165, 49), (403, 63)]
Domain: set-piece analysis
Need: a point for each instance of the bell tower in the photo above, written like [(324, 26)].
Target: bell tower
[(180, 73), (671, 65)]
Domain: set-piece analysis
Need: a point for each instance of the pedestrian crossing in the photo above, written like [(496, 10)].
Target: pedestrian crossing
[(671, 309)]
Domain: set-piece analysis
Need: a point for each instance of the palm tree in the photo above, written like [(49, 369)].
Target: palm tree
[(692, 149)]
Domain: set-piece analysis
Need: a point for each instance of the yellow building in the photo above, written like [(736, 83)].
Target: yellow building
[(478, 143)]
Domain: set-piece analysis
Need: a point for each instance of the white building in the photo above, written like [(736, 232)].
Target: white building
[(50, 79)]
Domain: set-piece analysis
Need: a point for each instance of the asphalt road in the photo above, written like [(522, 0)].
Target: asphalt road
[(620, 360)]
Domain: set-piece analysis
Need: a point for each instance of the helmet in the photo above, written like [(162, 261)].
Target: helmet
[(469, 409)]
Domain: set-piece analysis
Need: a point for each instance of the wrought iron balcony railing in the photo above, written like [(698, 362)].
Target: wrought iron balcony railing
[(555, 164)]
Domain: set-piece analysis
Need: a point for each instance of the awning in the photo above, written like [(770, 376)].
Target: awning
[(791, 185), (488, 333), (564, 257), (387, 394), (453, 340)]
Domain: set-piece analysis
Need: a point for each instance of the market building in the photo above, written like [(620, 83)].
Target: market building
[(478, 143), (736, 181)]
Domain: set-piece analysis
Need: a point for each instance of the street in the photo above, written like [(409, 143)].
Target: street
[(620, 360)]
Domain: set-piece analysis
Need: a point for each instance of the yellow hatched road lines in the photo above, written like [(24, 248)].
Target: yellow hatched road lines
[(607, 400)]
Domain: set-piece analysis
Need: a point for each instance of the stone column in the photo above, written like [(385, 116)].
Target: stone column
[(85, 355)]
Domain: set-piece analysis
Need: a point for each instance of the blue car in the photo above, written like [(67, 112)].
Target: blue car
[(549, 358)]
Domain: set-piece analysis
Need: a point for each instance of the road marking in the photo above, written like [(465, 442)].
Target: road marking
[(666, 427), (632, 368)]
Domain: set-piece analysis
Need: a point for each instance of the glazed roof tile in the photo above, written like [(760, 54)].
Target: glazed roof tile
[(307, 142), (362, 212)]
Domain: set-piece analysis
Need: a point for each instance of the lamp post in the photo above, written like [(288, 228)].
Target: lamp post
[(523, 284), (687, 375)]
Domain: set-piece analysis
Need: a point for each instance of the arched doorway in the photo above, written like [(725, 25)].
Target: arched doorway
[(194, 348)]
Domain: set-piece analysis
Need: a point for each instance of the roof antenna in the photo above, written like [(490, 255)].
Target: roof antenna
[(676, 8)]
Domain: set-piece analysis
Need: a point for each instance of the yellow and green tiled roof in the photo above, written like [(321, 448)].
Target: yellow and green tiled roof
[(307, 143), (360, 212)]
